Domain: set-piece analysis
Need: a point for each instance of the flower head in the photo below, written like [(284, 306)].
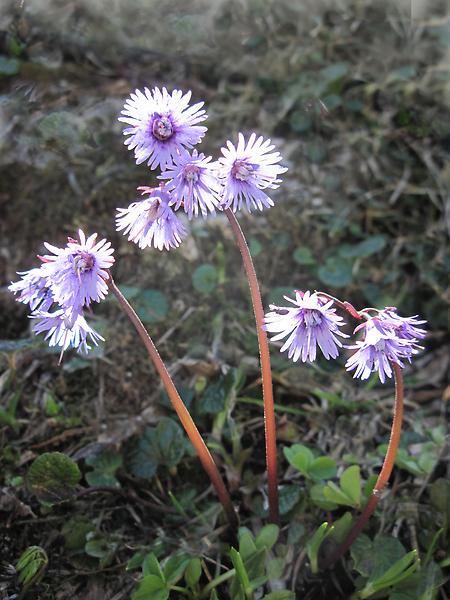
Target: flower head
[(162, 124), (65, 328), (193, 183), (76, 274), (33, 289), (247, 170), (406, 328), (381, 346), (151, 222), (310, 324)]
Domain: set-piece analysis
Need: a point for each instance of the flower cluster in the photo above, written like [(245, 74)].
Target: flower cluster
[(66, 283), (311, 322), (162, 130)]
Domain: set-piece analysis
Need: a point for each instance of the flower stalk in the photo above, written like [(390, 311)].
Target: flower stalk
[(385, 473), (186, 420), (266, 373)]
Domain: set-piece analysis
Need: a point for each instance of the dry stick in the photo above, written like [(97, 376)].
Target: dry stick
[(186, 420), (385, 472), (266, 373)]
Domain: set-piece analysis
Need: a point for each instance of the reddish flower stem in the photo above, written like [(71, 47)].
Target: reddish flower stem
[(186, 420), (384, 475), (266, 373)]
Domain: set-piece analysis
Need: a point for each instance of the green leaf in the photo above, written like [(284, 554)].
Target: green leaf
[(75, 532), (275, 568), (303, 256), (53, 477), (314, 543), (335, 272), (333, 493), (342, 527), (350, 482), (300, 457), (162, 445), (241, 571), (247, 545), (9, 66), (31, 565), (193, 572), (151, 588), (151, 566), (374, 559), (316, 493), (204, 278), (280, 595), (175, 567), (420, 585), (334, 71), (151, 306), (99, 546), (255, 247), (105, 466), (367, 247), (267, 537), (216, 395), (399, 571), (322, 467), (289, 495), (300, 121)]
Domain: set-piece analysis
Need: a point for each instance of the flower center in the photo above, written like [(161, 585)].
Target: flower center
[(162, 128), (83, 262), (191, 172), (242, 170), (155, 209), (312, 317)]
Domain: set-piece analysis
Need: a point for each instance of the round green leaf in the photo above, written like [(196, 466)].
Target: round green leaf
[(151, 306), (53, 477), (303, 256), (204, 278), (336, 272)]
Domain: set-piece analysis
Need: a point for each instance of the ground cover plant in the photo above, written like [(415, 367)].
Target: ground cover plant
[(102, 494)]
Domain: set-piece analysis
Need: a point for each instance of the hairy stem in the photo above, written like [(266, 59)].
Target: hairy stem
[(186, 420), (384, 475), (266, 373)]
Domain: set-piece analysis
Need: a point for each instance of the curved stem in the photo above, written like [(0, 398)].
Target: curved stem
[(186, 420), (266, 373), (385, 472)]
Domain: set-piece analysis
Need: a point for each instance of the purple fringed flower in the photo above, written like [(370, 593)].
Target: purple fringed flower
[(33, 290), (310, 324), (151, 222), (248, 169), (194, 184), (381, 346), (65, 328), (76, 274), (162, 124), (405, 327)]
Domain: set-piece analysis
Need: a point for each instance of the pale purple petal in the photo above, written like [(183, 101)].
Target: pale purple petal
[(194, 184), (162, 124), (310, 324), (247, 170), (151, 222)]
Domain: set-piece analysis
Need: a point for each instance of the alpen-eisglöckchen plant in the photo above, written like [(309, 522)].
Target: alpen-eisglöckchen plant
[(162, 130), (388, 340)]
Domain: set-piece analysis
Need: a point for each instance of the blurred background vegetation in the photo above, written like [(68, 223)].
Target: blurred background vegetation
[(355, 94)]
